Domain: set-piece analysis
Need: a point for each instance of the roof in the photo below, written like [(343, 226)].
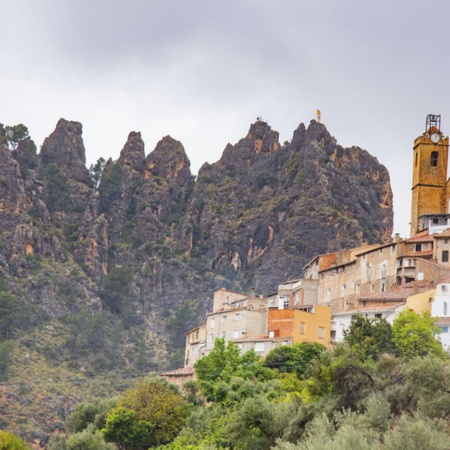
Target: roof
[(444, 234), (195, 329), (443, 321), (400, 293), (424, 238), (183, 372), (371, 308)]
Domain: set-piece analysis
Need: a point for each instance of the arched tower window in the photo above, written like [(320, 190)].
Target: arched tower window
[(434, 159), (417, 157)]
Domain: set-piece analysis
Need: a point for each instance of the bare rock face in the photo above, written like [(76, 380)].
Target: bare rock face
[(266, 210), (250, 221), (132, 155), (14, 203), (65, 148)]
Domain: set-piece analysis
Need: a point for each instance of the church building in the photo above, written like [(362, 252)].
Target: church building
[(430, 206)]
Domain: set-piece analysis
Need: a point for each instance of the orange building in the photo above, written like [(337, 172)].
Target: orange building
[(302, 324)]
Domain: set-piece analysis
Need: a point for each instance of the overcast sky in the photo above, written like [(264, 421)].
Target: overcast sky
[(203, 71)]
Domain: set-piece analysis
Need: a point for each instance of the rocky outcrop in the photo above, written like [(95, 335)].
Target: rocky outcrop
[(65, 148), (249, 221)]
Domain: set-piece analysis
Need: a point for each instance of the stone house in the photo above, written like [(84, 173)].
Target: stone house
[(238, 317), (195, 345)]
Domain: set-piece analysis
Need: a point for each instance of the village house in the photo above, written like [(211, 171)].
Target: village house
[(385, 305), (195, 345)]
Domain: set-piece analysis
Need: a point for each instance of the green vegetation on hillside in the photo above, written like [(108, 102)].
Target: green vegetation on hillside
[(300, 397)]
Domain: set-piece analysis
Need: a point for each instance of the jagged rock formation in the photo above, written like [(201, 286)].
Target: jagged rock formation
[(248, 222), (109, 278)]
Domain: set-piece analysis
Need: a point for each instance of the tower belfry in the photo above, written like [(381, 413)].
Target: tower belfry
[(429, 191)]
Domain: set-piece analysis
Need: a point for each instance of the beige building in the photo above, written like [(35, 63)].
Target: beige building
[(346, 276), (235, 316), (195, 345)]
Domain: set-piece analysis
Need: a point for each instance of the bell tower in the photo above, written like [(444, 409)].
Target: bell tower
[(429, 172)]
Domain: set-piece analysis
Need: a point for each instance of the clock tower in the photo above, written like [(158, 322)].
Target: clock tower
[(429, 172)]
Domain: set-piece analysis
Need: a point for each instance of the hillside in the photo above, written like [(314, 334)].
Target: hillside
[(103, 271)]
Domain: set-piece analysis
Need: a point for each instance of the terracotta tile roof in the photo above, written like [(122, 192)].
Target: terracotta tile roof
[(443, 321), (371, 308), (184, 371), (425, 238)]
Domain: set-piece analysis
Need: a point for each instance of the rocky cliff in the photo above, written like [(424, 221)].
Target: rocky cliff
[(248, 222), (105, 274)]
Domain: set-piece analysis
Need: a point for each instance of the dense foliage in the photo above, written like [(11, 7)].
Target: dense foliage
[(300, 397)]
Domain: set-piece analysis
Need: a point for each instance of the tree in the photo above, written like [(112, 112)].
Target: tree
[(430, 380), (127, 431), (415, 336), (56, 188), (150, 413), (87, 440), (116, 286), (9, 441), (96, 171), (9, 310), (110, 188), (6, 353), (296, 357), (16, 133), (370, 337), (257, 423)]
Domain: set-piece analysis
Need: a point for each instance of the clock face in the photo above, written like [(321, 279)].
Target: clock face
[(435, 138)]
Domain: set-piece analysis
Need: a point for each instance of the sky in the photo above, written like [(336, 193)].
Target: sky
[(202, 71)]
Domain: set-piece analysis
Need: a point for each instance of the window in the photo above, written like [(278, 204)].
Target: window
[(343, 289), (358, 288), (383, 271), (434, 159), (418, 247), (445, 241), (435, 221), (383, 286), (211, 338), (236, 334), (369, 273), (445, 308), (271, 334), (212, 323), (286, 302), (321, 332), (196, 335), (238, 317), (224, 319), (444, 255), (328, 295), (224, 334), (302, 327), (444, 329), (259, 347), (378, 316), (417, 158)]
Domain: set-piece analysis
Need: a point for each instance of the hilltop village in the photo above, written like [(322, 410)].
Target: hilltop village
[(377, 281)]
